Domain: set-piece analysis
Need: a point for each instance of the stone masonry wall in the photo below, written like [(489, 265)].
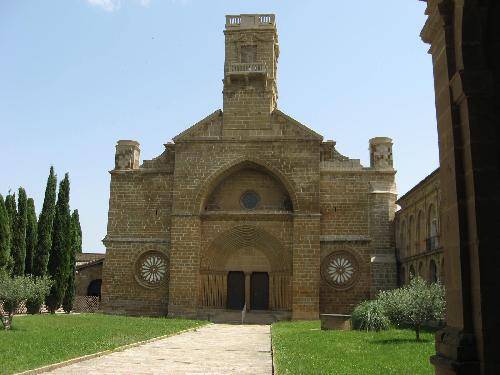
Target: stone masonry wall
[(85, 276), (197, 166), (138, 220), (121, 293), (357, 207), (338, 301), (383, 255)]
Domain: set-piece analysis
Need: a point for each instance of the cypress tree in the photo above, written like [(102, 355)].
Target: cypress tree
[(10, 206), (45, 224), (19, 238), (58, 267), (5, 237), (31, 237), (75, 219), (76, 248)]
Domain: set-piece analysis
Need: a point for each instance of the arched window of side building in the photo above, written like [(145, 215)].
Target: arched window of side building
[(412, 272), (441, 274), (402, 241), (411, 230), (433, 278), (420, 233), (432, 228), (421, 271)]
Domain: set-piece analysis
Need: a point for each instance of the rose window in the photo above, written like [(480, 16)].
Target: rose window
[(339, 269), (250, 200), (152, 269)]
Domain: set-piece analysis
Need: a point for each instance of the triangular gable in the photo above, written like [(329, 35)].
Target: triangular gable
[(282, 126), (293, 128), (210, 127)]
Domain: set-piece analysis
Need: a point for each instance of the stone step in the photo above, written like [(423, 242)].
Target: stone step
[(251, 317)]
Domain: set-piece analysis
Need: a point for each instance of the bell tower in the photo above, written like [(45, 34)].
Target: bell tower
[(250, 91)]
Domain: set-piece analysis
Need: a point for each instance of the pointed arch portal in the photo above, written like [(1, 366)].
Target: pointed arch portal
[(249, 255)]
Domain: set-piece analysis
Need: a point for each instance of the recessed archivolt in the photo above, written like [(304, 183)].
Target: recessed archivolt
[(245, 236), (236, 165)]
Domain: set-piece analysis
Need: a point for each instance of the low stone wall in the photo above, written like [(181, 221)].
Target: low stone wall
[(82, 304), (87, 304), (22, 309), (338, 322)]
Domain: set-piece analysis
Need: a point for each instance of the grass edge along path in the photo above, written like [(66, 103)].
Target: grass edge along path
[(302, 348), (41, 340)]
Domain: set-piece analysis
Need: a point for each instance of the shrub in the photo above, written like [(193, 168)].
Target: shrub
[(14, 290), (415, 304), (423, 302), (369, 315), (40, 289), (393, 302)]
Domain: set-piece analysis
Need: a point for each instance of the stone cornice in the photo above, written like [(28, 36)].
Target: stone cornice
[(358, 171), (271, 215), (345, 238), (425, 254), (143, 171), (109, 239), (432, 24), (248, 140), (383, 258), (238, 215)]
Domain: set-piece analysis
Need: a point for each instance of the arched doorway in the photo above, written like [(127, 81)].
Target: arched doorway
[(254, 256), (94, 288), (245, 265)]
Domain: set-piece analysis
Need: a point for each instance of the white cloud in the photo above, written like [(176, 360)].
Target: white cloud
[(107, 5), (114, 5)]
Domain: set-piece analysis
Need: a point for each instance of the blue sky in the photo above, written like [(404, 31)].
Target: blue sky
[(77, 75)]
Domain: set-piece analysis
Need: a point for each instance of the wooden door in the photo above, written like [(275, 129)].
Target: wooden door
[(235, 290), (259, 291)]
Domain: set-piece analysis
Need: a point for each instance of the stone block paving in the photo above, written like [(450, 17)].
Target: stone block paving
[(213, 349)]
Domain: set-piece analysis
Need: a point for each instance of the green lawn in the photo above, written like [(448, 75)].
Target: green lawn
[(302, 348), (40, 340)]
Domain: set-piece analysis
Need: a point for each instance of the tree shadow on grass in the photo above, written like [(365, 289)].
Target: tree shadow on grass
[(400, 341)]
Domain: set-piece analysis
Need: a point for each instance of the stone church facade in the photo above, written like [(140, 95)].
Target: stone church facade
[(248, 207)]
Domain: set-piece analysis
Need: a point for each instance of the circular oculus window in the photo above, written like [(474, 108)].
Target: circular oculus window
[(151, 269), (340, 269), (250, 200)]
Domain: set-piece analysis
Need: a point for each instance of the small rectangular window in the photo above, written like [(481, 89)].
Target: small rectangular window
[(248, 54)]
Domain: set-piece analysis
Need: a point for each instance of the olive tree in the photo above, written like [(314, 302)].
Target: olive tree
[(369, 315), (14, 290), (415, 304)]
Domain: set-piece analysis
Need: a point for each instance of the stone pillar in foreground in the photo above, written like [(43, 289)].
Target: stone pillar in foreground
[(464, 39)]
